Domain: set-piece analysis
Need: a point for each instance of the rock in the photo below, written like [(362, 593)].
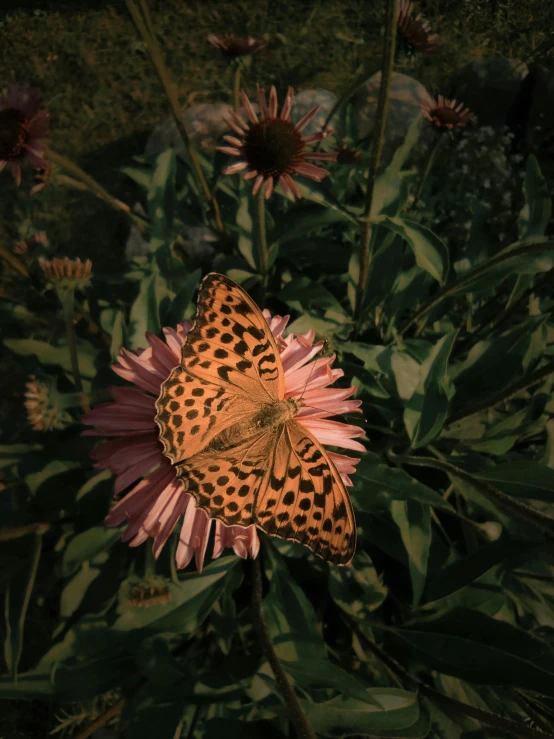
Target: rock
[(406, 96), (204, 123), (306, 100), (196, 243), (488, 88)]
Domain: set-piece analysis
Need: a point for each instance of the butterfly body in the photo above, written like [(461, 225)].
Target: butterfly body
[(236, 441)]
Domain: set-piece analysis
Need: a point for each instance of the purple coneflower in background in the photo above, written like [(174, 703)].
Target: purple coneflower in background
[(444, 113), (271, 148), (415, 31), (234, 46), (23, 128)]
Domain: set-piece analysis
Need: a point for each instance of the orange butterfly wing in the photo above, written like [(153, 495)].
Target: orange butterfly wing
[(280, 478), (305, 499), (230, 366)]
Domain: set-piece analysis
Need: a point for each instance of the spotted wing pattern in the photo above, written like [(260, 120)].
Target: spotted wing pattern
[(192, 412), (305, 499), (230, 366), (231, 344), (225, 484)]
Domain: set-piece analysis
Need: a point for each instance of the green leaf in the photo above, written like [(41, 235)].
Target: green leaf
[(429, 251), (522, 479), (320, 192), (190, 603), (145, 314), (302, 220), (303, 293), (339, 717), (13, 453), (357, 589), (87, 545), (182, 301), (246, 228), (17, 600), (142, 177), (155, 710), (290, 616), (466, 570), (428, 407), (377, 484), (494, 363), (161, 200), (57, 355), (414, 522), (320, 673), (482, 650), (119, 335), (536, 212)]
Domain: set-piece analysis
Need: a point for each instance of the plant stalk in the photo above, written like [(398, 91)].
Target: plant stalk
[(263, 261), (236, 86), (67, 301), (433, 150), (376, 150), (301, 724), (145, 27), (102, 720)]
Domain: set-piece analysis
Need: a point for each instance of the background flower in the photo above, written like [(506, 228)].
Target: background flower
[(271, 148), (23, 129)]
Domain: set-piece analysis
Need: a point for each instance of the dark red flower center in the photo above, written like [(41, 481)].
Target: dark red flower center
[(235, 46), (13, 134), (414, 32), (273, 147), (446, 115)]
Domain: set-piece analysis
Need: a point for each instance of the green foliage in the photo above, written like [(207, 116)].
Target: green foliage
[(442, 625)]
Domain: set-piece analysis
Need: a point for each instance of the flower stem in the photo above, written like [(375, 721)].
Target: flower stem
[(433, 149), (145, 27), (301, 724), (262, 237), (236, 86), (376, 149), (95, 187), (102, 720), (67, 300)]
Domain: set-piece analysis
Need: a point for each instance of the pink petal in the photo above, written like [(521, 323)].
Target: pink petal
[(193, 538), (334, 433), (308, 118)]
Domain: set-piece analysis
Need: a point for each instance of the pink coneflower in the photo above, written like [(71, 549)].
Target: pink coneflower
[(415, 31), (443, 113), (271, 148), (233, 46), (23, 128), (156, 501)]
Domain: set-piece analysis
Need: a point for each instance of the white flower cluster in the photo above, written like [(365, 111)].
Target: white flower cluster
[(477, 168)]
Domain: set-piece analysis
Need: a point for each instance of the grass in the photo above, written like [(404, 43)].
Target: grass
[(105, 97)]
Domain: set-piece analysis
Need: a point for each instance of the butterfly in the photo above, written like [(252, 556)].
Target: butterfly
[(225, 424)]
